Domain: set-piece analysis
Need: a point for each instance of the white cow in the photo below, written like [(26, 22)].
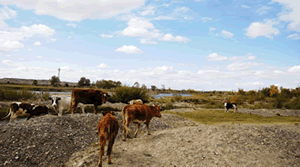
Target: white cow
[(61, 103), (140, 101)]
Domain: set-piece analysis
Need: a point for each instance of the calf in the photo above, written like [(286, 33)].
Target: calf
[(108, 128), (21, 109), (59, 104), (136, 101), (230, 105), (137, 113)]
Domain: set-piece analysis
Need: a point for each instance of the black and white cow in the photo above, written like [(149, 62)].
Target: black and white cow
[(230, 105), (22, 109), (61, 103)]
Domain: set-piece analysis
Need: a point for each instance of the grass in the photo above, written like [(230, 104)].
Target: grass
[(219, 116)]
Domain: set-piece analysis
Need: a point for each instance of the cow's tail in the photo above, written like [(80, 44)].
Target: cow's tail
[(9, 114), (124, 119), (71, 102)]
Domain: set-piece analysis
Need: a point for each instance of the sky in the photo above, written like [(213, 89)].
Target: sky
[(182, 44)]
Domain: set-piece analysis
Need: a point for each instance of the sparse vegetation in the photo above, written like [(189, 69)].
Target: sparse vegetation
[(126, 93), (219, 116)]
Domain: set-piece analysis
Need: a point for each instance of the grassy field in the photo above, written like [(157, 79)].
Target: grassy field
[(208, 116)]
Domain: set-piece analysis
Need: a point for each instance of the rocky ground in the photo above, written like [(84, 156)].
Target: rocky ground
[(174, 141)]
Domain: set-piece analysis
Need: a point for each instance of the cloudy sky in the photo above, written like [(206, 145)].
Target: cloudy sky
[(183, 44)]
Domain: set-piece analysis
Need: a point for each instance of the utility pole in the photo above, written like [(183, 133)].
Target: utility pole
[(58, 78)]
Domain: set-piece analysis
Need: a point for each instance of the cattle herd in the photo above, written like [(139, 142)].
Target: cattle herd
[(108, 125)]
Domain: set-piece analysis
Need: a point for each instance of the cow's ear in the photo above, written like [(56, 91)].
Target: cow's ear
[(49, 98), (59, 98)]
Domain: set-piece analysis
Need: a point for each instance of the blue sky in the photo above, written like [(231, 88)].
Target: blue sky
[(194, 44)]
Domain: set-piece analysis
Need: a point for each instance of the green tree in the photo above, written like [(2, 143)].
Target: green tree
[(35, 82), (84, 82), (153, 87), (54, 81)]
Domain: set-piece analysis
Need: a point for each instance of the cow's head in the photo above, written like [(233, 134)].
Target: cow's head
[(104, 96), (156, 110), (54, 102)]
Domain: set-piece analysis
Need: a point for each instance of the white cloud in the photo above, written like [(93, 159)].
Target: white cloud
[(204, 19), (37, 29), (149, 11), (211, 29), (53, 39), (10, 45), (188, 18), (6, 13), (294, 36), (141, 27), (263, 10), (239, 66), (291, 13), (102, 66), (216, 57), (7, 62), (199, 0), (168, 4), (146, 41), (256, 83), (74, 10), (129, 49), (163, 18), (245, 6), (226, 34), (65, 68), (106, 36), (278, 72), (294, 69), (170, 37), (266, 29), (37, 43), (71, 25), (181, 9), (39, 57), (251, 57)]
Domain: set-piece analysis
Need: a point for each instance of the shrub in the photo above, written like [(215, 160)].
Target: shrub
[(11, 95), (125, 93), (293, 104), (251, 99), (177, 98)]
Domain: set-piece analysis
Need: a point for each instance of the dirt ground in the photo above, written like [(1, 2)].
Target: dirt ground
[(174, 141)]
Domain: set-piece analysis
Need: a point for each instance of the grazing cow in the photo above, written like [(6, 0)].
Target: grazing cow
[(87, 96), (108, 128), (230, 105), (137, 113), (21, 109), (59, 104), (140, 101), (38, 110)]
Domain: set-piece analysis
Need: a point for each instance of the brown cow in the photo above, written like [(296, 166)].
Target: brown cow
[(108, 128), (87, 96), (137, 113)]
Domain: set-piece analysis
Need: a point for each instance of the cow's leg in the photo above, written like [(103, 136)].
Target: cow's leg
[(29, 117), (234, 108), (95, 107), (147, 124), (82, 109), (137, 129), (73, 106), (102, 144), (109, 149), (125, 127)]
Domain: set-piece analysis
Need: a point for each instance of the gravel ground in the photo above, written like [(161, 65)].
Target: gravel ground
[(174, 141)]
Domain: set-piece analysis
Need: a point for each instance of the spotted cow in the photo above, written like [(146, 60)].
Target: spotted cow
[(140, 101), (230, 105), (22, 109)]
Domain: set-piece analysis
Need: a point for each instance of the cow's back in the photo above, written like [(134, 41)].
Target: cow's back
[(87, 96)]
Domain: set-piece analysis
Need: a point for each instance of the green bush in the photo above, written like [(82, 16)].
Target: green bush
[(251, 99), (293, 104), (177, 98), (16, 95), (125, 93)]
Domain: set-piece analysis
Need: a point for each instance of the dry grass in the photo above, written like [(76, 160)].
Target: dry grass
[(219, 116)]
